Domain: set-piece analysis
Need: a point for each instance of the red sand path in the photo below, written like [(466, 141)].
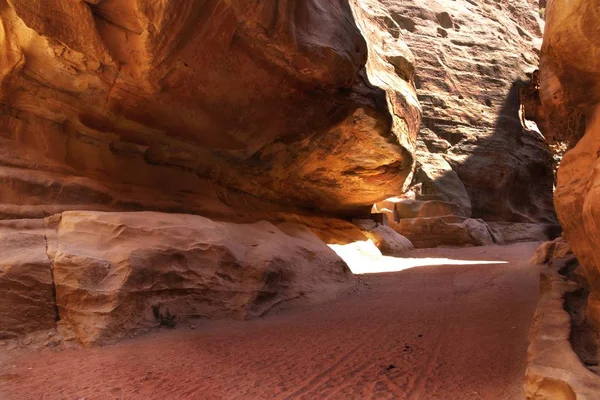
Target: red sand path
[(435, 332)]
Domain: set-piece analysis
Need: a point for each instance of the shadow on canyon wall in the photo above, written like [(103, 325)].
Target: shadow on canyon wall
[(506, 169)]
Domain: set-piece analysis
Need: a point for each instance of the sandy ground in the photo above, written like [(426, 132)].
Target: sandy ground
[(432, 332)]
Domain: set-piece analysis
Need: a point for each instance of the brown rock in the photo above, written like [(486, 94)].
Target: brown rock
[(568, 75), (570, 109), (387, 240), (445, 20), (424, 209), (511, 232), (439, 182), (469, 83), (592, 312), (120, 104), (26, 284), (551, 251), (444, 231), (329, 230), (554, 371), (430, 142), (113, 271)]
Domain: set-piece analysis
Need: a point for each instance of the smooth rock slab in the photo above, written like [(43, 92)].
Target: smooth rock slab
[(113, 269)]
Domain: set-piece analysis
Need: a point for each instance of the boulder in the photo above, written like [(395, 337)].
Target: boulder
[(388, 241), (118, 273), (26, 284), (444, 231)]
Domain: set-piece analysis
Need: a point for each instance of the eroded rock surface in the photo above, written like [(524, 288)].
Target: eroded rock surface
[(553, 369), (26, 285), (237, 111), (233, 110), (210, 107), (570, 97), (388, 241), (552, 251), (113, 271), (474, 148), (444, 231)]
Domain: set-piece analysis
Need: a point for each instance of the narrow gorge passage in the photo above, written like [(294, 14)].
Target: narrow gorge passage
[(431, 332), (222, 199)]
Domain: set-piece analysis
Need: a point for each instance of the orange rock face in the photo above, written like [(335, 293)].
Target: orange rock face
[(570, 96), (201, 107)]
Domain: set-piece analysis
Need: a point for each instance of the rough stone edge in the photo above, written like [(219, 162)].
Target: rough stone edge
[(554, 371), (61, 335)]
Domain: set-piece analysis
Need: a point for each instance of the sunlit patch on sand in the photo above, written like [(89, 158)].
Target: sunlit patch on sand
[(365, 258)]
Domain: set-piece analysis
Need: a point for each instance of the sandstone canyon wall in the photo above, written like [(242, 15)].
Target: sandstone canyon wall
[(233, 110), (478, 158), (210, 118), (473, 58), (570, 96)]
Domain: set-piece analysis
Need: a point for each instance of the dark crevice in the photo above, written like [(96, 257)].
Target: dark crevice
[(56, 312), (584, 338)]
